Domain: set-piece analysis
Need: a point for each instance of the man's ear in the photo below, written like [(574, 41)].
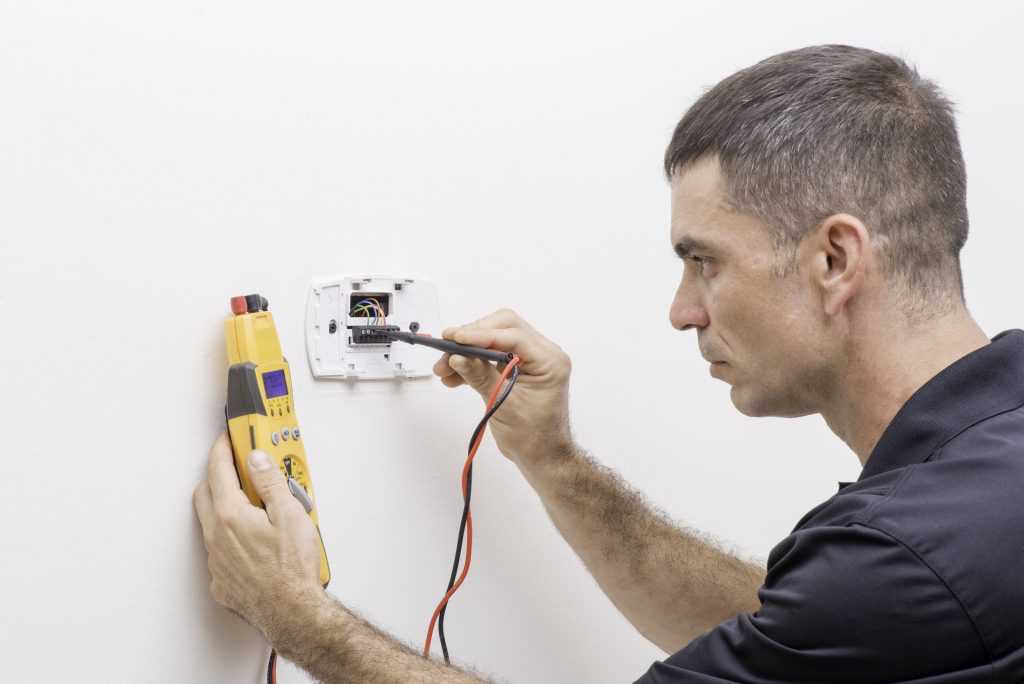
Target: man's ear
[(841, 247)]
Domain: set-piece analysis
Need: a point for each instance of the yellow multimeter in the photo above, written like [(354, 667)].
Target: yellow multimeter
[(260, 409)]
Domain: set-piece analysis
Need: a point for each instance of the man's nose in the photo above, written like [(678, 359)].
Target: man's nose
[(687, 311)]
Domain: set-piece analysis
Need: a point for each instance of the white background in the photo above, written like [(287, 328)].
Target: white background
[(156, 159)]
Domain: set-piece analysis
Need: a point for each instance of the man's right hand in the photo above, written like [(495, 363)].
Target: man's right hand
[(533, 423)]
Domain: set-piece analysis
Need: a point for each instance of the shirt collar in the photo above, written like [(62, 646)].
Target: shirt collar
[(987, 381)]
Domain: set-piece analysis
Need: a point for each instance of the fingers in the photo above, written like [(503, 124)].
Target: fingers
[(477, 373), (223, 477), (442, 369), (529, 346), (504, 330), (454, 380), (542, 360), (272, 487), (455, 370)]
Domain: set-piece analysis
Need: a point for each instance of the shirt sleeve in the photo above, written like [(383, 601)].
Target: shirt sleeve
[(839, 604)]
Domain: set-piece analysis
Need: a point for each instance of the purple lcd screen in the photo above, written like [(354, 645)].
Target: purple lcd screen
[(274, 384)]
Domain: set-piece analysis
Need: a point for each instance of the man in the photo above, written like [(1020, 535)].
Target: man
[(818, 204)]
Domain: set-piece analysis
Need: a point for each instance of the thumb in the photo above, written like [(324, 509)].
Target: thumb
[(478, 374), (269, 484)]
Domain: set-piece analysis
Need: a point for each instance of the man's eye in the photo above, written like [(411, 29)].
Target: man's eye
[(700, 261)]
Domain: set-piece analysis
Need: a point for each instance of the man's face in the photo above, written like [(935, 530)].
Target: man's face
[(762, 330)]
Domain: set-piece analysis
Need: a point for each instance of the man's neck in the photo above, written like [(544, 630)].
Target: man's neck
[(886, 370)]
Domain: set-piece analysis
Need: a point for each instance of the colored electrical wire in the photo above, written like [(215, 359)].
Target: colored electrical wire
[(366, 306), (272, 667), (511, 373), (465, 509), (380, 310), (466, 525), (369, 305)]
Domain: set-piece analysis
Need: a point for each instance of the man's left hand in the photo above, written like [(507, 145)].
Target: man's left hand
[(262, 561)]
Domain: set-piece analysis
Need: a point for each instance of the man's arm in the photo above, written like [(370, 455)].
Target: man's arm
[(670, 583), (265, 566), (334, 645)]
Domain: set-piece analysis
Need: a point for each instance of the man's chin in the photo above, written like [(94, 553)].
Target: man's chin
[(745, 406), (756, 405)]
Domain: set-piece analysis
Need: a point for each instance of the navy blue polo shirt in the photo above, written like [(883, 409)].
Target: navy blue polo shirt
[(914, 573)]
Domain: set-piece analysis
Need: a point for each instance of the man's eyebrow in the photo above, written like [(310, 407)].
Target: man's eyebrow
[(687, 246)]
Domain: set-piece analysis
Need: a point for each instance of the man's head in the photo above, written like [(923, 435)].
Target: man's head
[(825, 185)]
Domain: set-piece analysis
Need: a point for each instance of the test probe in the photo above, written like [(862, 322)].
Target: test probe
[(442, 344)]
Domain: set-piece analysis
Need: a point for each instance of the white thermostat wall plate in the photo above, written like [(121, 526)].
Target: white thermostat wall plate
[(330, 318)]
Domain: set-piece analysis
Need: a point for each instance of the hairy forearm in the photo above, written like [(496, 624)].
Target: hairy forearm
[(334, 645), (672, 584)]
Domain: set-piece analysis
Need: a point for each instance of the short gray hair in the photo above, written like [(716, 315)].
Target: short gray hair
[(832, 128)]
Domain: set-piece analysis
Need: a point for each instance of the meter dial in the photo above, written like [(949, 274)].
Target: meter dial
[(293, 467)]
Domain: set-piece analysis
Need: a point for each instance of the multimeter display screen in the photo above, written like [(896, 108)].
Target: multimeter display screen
[(274, 384)]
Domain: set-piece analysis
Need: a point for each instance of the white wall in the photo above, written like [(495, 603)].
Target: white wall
[(157, 159)]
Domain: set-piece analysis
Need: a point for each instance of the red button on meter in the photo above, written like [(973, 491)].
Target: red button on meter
[(238, 305)]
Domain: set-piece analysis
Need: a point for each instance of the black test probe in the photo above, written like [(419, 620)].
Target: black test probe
[(445, 345)]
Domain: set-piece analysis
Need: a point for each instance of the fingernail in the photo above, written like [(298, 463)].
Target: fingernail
[(458, 362), (259, 460)]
